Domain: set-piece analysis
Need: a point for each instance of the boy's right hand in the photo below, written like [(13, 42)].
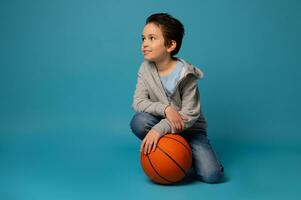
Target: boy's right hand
[(174, 118)]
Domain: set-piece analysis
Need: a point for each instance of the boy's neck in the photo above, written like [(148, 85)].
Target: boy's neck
[(165, 64)]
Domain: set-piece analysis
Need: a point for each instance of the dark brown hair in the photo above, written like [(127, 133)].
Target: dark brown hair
[(171, 28)]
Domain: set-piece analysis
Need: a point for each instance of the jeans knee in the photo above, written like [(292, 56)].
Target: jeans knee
[(139, 124), (212, 176)]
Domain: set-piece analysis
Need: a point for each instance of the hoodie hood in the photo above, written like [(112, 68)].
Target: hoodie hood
[(191, 69)]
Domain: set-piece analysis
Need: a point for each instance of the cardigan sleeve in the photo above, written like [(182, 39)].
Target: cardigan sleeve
[(141, 101)]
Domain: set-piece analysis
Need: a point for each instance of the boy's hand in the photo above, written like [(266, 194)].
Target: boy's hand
[(175, 118), (150, 141)]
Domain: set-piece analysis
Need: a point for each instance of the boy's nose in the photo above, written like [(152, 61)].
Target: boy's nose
[(144, 44)]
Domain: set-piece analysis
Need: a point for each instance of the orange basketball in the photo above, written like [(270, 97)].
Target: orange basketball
[(170, 161)]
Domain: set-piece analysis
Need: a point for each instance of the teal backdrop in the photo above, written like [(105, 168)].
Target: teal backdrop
[(68, 71)]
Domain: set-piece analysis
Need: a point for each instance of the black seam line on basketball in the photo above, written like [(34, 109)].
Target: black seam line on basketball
[(179, 142), (172, 160), (150, 162)]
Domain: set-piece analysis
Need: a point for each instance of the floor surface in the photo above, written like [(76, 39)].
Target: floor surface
[(81, 159)]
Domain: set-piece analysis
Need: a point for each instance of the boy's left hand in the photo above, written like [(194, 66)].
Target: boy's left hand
[(150, 142)]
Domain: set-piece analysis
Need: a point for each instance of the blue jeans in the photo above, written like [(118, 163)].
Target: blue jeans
[(205, 163)]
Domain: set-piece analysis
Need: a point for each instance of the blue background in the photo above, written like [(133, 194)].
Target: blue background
[(68, 73)]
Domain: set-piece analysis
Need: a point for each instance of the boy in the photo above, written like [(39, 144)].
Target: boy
[(166, 98)]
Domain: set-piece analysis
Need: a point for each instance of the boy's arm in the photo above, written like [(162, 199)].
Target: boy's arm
[(163, 127), (190, 108), (190, 102), (142, 103)]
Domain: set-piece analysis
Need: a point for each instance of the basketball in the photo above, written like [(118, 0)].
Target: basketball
[(170, 161)]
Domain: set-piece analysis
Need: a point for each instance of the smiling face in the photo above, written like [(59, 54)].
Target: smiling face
[(153, 47)]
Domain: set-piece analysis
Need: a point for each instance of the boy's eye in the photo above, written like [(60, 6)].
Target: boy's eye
[(151, 38)]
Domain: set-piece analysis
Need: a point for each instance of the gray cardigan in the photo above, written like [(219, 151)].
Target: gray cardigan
[(150, 97)]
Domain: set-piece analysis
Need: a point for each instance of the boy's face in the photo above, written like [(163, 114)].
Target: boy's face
[(153, 47)]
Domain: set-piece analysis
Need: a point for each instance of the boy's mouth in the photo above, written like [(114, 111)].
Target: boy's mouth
[(146, 51)]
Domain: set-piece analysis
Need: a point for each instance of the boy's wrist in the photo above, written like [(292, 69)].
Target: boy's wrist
[(166, 110)]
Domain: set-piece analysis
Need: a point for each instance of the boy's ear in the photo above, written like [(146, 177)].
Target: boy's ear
[(172, 45)]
